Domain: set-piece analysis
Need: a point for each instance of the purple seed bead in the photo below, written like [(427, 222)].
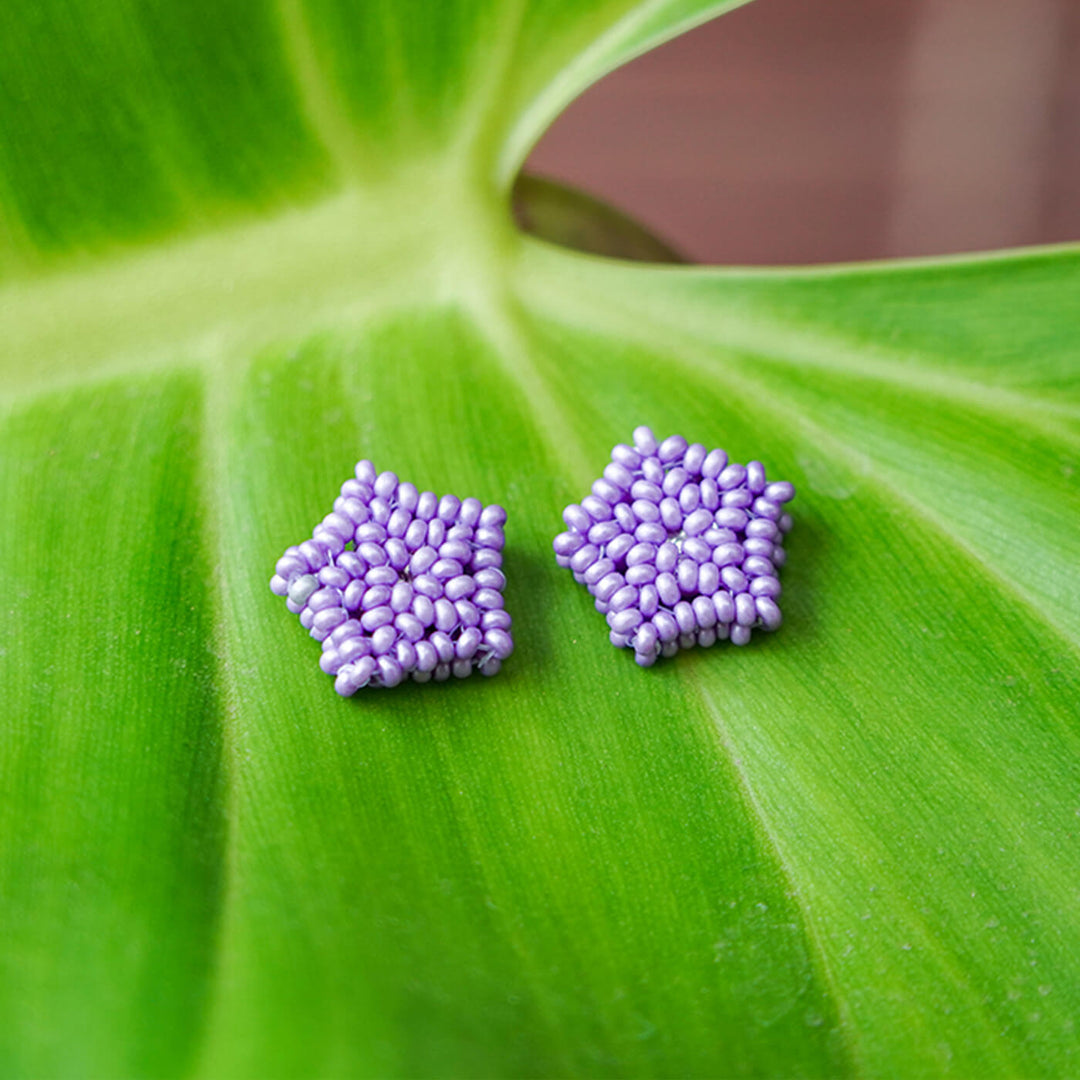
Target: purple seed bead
[(604, 531), (763, 528), (295, 608), (372, 553), (380, 510), (757, 566), (407, 496), (375, 617), (489, 666), (624, 515), (704, 611), (684, 616), (780, 492), (725, 606), (599, 569), (493, 517), (733, 578), (467, 612), (583, 558), (608, 586), (495, 620), (405, 654), (648, 601), (688, 641), (313, 554), (646, 640), (622, 622), (576, 518), (667, 556), (715, 537), (604, 489), (353, 648), (492, 579), (667, 588), (624, 597), (568, 542), (779, 556), (470, 510), (329, 618), (646, 490), (640, 553), (619, 476), (335, 577), (670, 514), (745, 609), (365, 471), (626, 456), (708, 578), (650, 533), (732, 476), (765, 509), (673, 448), (381, 575), (415, 535), (382, 640), (324, 598), (352, 564), (370, 531), (740, 498), (444, 569), (397, 553), (390, 672), (486, 559), (455, 549), (768, 612), (423, 608), (499, 642), (347, 630), (488, 599), (645, 511), (428, 586), (289, 565), (784, 523), (697, 549), (597, 509), (444, 646), (331, 541), (331, 662), (652, 470), (757, 546), (714, 464), (731, 517), (449, 505), (641, 574), (376, 596), (722, 631), (620, 547), (690, 498), (409, 625), (707, 638), (426, 656), (674, 482), (461, 669), (468, 643), (667, 626), (401, 597), (339, 524), (740, 635), (386, 484), (686, 573), (303, 587), (765, 586), (446, 616), (354, 510), (398, 523), (644, 440), (427, 506), (755, 477), (279, 586), (694, 459), (354, 676), (441, 672), (710, 494)]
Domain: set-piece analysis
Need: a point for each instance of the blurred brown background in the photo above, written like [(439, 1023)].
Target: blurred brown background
[(791, 131)]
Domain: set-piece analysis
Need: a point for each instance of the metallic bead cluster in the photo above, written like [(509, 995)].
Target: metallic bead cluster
[(398, 583), (679, 546)]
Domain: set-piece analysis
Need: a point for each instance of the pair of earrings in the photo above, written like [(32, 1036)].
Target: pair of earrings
[(678, 546)]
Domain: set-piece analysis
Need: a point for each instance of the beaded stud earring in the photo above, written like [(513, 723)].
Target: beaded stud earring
[(396, 583), (679, 546)]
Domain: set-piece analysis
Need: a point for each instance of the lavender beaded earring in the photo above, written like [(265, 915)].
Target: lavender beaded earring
[(678, 546), (397, 583)]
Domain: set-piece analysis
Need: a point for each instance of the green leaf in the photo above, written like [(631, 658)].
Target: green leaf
[(244, 245)]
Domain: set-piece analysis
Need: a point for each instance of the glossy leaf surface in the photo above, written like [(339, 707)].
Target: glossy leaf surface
[(243, 246)]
